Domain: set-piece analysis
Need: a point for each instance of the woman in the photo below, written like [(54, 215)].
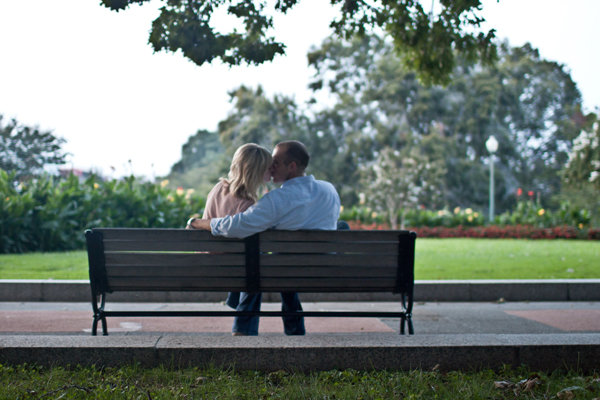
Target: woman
[(249, 170)]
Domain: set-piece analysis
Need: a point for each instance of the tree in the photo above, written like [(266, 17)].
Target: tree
[(201, 149), (531, 105), (26, 150), (258, 119), (400, 180), (582, 172), (583, 168), (202, 162), (373, 96), (429, 40)]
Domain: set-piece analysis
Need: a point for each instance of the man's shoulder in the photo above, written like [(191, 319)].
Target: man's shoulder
[(326, 185), (311, 180), (303, 184)]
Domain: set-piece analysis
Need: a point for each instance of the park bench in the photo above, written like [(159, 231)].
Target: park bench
[(316, 261)]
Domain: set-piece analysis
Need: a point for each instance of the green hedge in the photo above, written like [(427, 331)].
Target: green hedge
[(51, 214)]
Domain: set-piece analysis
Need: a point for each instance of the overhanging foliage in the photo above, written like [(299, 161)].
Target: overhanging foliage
[(429, 39)]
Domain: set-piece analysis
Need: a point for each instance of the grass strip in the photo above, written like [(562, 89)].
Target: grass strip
[(436, 259), (25, 381)]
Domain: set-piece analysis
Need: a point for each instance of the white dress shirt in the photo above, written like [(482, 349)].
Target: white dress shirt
[(300, 203)]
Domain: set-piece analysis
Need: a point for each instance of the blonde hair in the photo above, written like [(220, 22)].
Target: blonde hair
[(248, 167)]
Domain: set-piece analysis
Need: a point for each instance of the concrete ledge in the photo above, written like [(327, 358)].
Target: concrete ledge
[(456, 290), (509, 289), (312, 352)]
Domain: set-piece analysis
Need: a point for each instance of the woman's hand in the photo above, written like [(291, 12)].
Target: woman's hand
[(198, 223)]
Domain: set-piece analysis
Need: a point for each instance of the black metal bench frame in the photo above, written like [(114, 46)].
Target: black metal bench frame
[(131, 245)]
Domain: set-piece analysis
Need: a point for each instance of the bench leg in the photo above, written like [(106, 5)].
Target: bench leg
[(102, 319), (99, 313), (104, 327), (404, 320), (411, 330), (407, 317), (95, 326)]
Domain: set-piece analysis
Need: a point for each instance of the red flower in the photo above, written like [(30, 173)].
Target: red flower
[(530, 193), (519, 192)]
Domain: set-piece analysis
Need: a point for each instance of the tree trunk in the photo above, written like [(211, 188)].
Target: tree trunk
[(402, 219), (393, 217)]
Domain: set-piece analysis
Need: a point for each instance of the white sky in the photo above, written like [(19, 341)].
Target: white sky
[(87, 73)]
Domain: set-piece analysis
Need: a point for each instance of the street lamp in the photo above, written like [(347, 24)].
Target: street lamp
[(492, 145)]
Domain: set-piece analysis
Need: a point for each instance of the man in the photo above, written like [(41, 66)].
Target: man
[(302, 202)]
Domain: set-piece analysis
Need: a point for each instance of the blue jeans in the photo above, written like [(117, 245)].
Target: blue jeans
[(248, 325)]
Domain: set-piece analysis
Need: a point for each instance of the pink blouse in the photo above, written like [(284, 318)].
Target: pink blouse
[(220, 203)]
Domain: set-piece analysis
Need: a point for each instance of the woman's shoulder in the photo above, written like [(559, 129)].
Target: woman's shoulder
[(221, 188)]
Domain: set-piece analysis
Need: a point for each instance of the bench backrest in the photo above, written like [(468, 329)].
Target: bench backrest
[(304, 261)]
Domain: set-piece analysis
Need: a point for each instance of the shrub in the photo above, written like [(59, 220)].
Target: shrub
[(51, 214), (362, 214), (594, 234), (532, 213)]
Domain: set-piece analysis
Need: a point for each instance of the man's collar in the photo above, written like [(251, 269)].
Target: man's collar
[(297, 180)]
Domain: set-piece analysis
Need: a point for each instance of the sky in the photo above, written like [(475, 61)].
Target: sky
[(89, 75)]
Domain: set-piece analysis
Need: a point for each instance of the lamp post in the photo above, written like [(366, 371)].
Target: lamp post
[(492, 145)]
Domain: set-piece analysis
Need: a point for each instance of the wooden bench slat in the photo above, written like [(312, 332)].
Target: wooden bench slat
[(177, 289), (266, 271), (327, 259), (326, 271), (191, 259), (175, 271), (330, 247), (165, 235), (378, 289), (239, 247), (184, 245), (330, 236), (173, 259), (279, 284), (177, 284), (267, 284)]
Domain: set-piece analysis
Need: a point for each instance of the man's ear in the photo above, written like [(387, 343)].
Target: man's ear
[(293, 167)]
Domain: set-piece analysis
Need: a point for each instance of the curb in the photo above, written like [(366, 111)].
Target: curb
[(425, 291), (313, 352)]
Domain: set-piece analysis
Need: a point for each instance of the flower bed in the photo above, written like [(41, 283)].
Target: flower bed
[(493, 231), (501, 232)]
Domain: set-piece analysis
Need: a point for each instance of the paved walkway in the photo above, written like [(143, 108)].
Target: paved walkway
[(429, 318)]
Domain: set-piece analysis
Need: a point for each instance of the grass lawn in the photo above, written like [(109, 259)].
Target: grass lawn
[(64, 265), (435, 259), (161, 383), (506, 259)]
